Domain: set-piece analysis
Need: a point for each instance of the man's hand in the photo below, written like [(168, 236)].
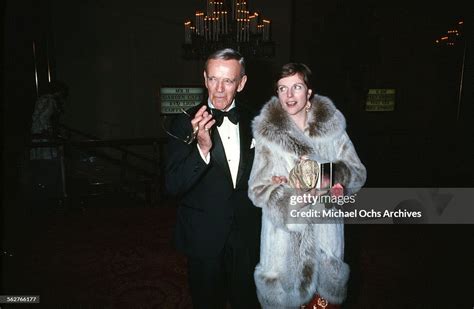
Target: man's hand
[(203, 122)]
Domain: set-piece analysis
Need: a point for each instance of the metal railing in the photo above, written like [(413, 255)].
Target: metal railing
[(91, 144)]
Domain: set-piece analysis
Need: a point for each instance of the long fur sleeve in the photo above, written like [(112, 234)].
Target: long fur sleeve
[(348, 170), (272, 198)]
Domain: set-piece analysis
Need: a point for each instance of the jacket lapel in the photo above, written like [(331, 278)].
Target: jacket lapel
[(245, 136)]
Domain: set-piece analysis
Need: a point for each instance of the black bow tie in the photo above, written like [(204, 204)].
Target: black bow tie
[(219, 115)]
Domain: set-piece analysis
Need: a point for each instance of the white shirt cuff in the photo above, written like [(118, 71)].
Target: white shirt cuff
[(207, 158)]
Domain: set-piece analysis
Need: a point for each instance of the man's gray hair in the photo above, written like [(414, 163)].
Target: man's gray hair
[(227, 54)]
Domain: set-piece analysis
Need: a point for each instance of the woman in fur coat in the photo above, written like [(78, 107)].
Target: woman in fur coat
[(299, 262)]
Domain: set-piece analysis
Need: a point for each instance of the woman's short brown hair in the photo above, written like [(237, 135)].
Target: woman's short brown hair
[(293, 68)]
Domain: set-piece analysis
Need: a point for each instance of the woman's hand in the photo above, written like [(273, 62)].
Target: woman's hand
[(318, 192), (336, 190), (278, 180)]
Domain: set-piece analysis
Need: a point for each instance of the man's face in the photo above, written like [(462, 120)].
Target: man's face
[(222, 79)]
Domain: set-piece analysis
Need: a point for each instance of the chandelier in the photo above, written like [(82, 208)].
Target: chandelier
[(228, 24), (451, 37)]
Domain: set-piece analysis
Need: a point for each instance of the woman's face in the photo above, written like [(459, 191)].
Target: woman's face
[(293, 94)]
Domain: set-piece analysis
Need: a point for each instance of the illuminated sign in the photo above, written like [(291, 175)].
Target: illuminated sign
[(380, 100), (174, 99)]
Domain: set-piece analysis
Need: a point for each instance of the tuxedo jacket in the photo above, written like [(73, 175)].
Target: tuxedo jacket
[(209, 205)]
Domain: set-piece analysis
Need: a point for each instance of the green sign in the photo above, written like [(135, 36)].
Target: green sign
[(380, 100), (175, 99)]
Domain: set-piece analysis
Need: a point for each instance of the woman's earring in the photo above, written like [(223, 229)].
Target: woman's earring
[(308, 106)]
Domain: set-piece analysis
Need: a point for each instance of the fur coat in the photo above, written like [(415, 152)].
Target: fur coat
[(299, 260)]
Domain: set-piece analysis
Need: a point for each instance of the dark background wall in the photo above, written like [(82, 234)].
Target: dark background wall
[(356, 46), (115, 55)]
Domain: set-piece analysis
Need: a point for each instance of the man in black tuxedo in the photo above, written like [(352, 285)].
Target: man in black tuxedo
[(218, 228)]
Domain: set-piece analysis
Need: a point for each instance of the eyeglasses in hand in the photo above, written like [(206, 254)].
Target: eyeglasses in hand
[(189, 139)]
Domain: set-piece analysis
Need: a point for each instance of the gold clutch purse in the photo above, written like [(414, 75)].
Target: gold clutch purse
[(305, 173)]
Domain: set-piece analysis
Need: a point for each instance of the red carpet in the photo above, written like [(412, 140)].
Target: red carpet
[(124, 258), (108, 258)]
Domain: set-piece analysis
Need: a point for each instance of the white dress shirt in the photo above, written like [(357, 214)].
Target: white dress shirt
[(230, 137)]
